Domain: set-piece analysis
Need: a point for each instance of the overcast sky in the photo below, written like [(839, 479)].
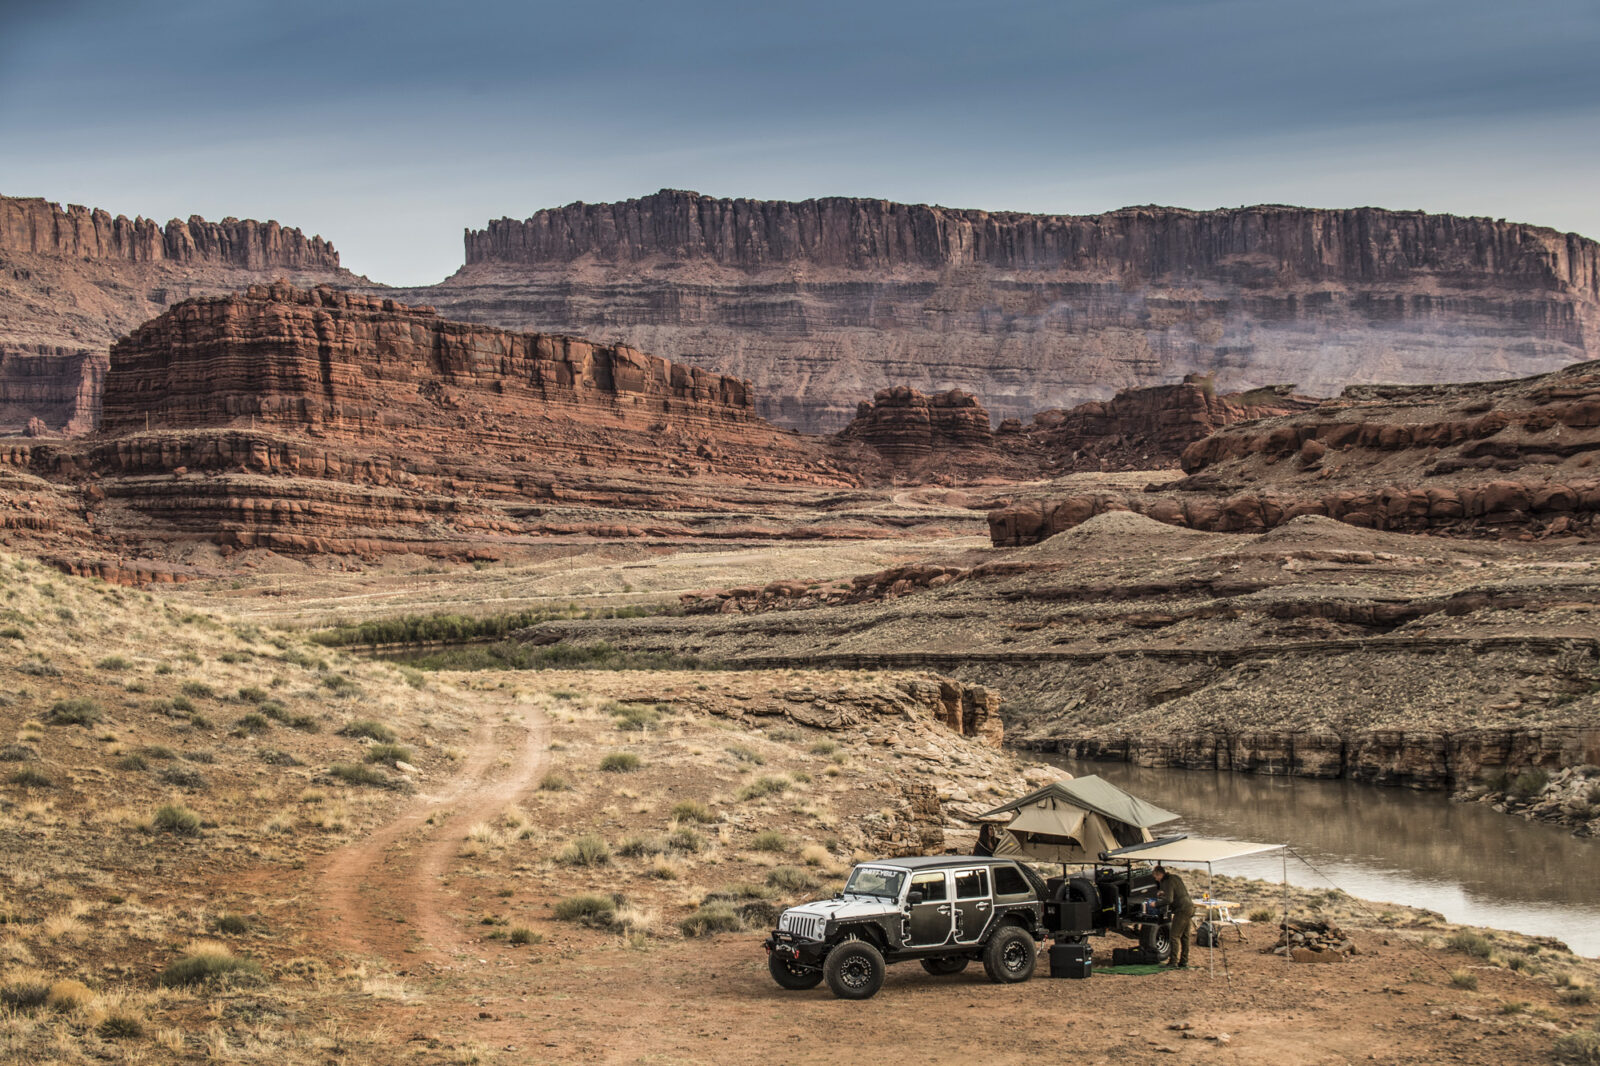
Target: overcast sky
[(388, 127)]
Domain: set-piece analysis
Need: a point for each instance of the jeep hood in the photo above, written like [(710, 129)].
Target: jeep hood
[(847, 908)]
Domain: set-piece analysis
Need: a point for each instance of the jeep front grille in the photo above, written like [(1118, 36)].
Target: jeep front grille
[(803, 926)]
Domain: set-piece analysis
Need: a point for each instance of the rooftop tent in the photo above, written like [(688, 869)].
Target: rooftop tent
[(1074, 820)]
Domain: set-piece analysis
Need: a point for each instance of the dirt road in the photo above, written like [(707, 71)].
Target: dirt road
[(387, 894)]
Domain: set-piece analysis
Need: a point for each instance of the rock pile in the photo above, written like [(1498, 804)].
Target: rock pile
[(1311, 941)]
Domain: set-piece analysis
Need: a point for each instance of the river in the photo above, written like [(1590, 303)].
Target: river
[(1417, 848)]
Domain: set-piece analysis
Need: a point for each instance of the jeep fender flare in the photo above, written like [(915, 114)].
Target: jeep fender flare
[(867, 931)]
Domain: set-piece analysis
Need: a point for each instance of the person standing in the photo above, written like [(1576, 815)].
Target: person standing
[(1175, 895)]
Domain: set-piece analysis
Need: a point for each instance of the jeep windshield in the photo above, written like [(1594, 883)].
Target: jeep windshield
[(875, 881)]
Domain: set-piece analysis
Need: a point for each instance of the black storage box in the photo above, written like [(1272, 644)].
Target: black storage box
[(1063, 916), (1071, 960)]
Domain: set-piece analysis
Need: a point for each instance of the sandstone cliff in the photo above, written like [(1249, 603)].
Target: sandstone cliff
[(910, 429), (36, 226), (822, 302), (1500, 458), (73, 280)]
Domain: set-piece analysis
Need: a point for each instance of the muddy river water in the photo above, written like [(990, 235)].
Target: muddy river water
[(1417, 848)]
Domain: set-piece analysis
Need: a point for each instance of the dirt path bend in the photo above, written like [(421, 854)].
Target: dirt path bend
[(385, 894)]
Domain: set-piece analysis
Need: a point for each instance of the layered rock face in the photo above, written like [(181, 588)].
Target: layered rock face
[(908, 428), (344, 363), (49, 390), (1503, 458), (319, 421), (73, 280), (822, 302), (35, 226)]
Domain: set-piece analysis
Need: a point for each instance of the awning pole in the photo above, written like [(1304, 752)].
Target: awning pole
[(1284, 928), (1211, 897)]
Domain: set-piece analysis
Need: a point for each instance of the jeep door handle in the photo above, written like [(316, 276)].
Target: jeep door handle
[(983, 906), (943, 909)]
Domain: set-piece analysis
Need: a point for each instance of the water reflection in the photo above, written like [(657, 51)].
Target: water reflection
[(1417, 848)]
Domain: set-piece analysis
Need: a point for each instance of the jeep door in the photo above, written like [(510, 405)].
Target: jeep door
[(974, 905), (931, 921)]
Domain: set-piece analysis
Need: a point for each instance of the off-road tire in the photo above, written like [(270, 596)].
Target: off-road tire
[(1010, 955), (944, 967), (793, 976), (1157, 940), (854, 970)]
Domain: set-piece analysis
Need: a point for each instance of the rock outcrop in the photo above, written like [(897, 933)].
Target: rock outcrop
[(323, 422), (1499, 458), (35, 226), (346, 364), (45, 390), (74, 280), (818, 303), (908, 428)]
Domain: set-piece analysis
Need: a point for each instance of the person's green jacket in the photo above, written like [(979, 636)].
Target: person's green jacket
[(1175, 894)]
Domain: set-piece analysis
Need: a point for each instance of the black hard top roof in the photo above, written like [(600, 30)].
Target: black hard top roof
[(925, 862)]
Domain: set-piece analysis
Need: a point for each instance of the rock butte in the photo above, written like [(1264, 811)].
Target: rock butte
[(73, 280), (824, 302)]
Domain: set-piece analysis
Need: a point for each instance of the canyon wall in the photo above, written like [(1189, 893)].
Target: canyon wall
[(36, 226), (822, 302), (73, 280)]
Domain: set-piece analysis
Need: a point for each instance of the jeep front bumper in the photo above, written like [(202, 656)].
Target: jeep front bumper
[(801, 952)]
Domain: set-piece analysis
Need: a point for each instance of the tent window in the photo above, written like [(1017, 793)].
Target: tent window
[(1125, 834), (972, 884), (931, 886)]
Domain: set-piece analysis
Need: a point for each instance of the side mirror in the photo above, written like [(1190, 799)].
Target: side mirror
[(915, 898)]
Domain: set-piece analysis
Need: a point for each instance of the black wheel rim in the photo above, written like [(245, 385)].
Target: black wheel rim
[(1015, 956), (855, 973)]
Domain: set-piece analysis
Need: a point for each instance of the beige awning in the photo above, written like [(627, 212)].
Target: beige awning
[(1193, 849)]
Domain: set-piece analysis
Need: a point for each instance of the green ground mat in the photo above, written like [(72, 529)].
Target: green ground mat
[(1135, 969)]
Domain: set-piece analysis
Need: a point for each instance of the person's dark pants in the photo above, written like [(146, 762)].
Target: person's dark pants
[(1181, 920)]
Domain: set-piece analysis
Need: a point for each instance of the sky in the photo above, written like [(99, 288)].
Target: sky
[(388, 127)]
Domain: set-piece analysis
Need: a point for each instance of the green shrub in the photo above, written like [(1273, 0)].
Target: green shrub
[(273, 709), (253, 694), (1469, 943), (620, 762), (181, 704), (24, 992), (1530, 783), (744, 754), (17, 753), (389, 753), (587, 850), (306, 723), (114, 662), (635, 847), (176, 819), (1578, 996), (212, 963), (685, 840), (692, 811), (824, 747), (79, 711), (198, 690), (366, 727), (253, 723), (554, 782), (340, 685), (1464, 979), (132, 761), (232, 924), (12, 633), (120, 1026), (359, 774), (791, 879), (185, 778), (1581, 1048), (764, 786), (633, 717), (521, 934), (157, 751), (590, 908), (712, 918), (770, 840), (31, 778)]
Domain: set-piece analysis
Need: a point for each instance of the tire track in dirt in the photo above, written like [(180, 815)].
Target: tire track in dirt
[(383, 894)]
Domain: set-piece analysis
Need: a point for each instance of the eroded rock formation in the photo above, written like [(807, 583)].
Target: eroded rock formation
[(908, 428), (818, 303), (73, 280), (1504, 457)]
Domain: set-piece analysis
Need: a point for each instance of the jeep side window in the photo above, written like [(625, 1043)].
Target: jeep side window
[(931, 886), (1008, 881), (972, 884)]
